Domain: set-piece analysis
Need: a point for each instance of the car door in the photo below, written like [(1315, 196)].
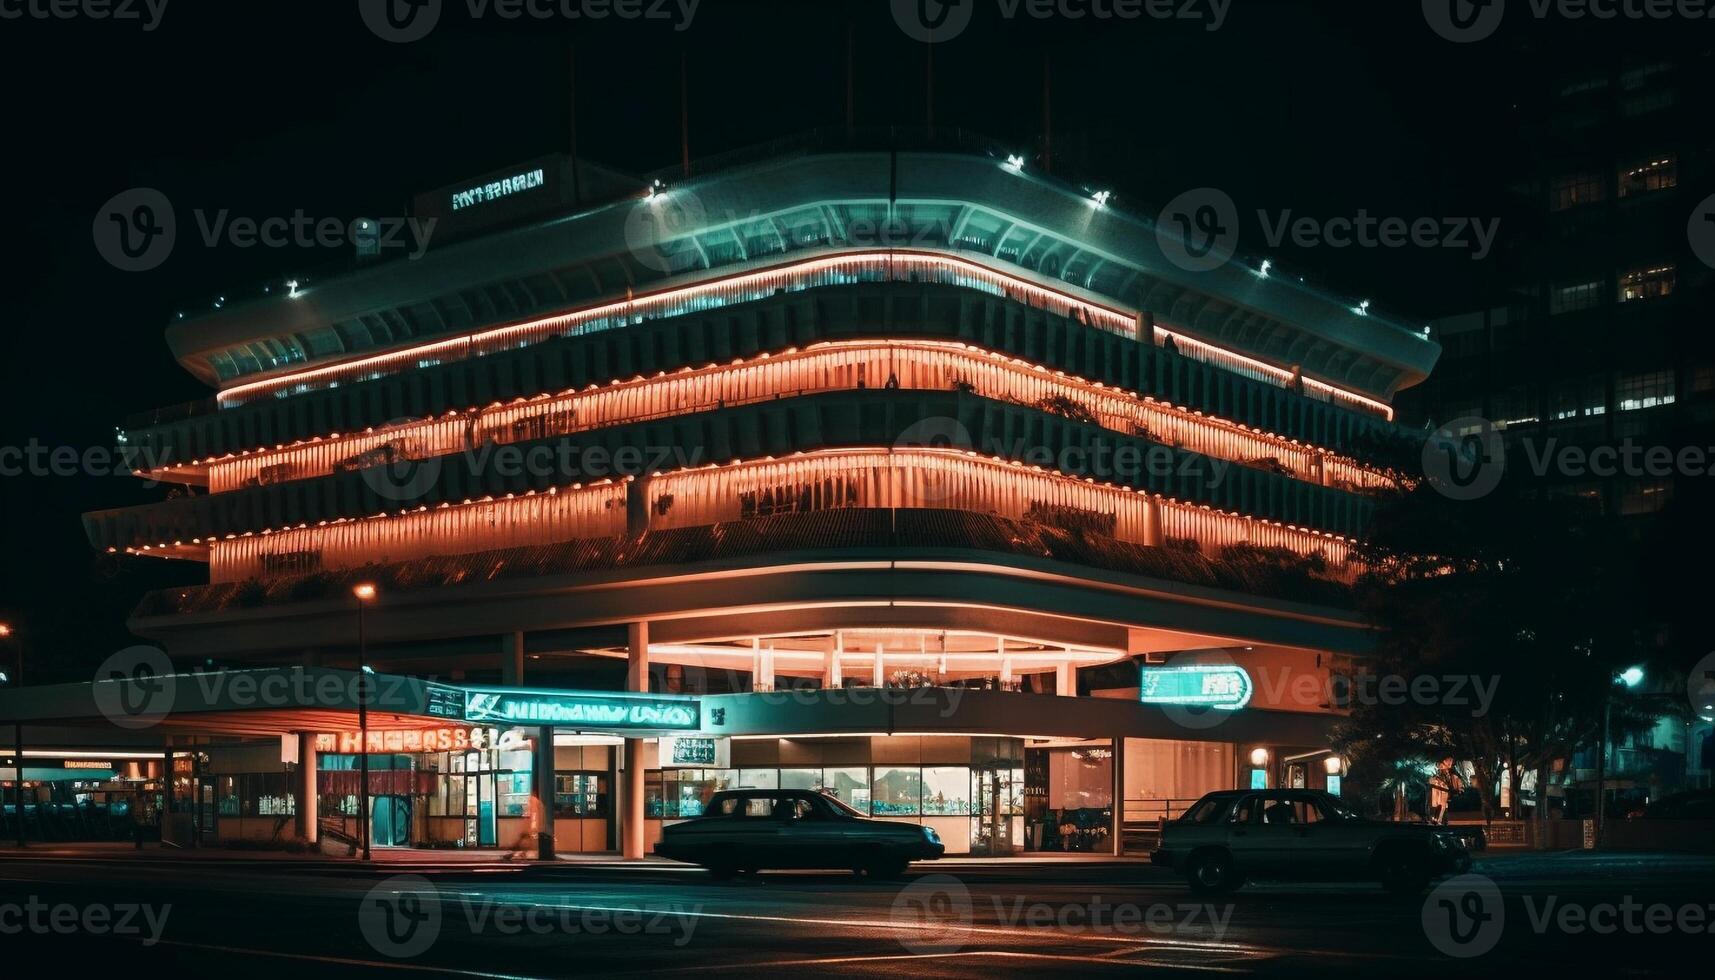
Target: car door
[(1276, 837), (1243, 837), (1339, 847), (752, 833), (809, 836)]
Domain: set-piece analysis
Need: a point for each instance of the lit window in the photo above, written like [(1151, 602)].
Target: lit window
[(1572, 297), (1571, 190), (1658, 174), (1638, 391), (1649, 283)]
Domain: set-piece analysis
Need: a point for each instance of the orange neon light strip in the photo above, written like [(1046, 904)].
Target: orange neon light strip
[(1112, 319)]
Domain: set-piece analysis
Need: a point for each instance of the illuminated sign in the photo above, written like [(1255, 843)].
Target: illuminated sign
[(448, 739), (444, 701), (85, 764), (494, 190), (696, 752), (1225, 687), (586, 710)]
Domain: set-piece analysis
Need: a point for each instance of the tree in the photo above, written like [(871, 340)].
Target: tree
[(1521, 592)]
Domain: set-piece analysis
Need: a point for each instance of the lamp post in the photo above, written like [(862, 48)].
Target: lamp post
[(17, 726), (1630, 677), (365, 594)]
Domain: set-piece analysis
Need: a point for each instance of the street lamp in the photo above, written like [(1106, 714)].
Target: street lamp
[(1629, 678), (16, 680), (365, 594)]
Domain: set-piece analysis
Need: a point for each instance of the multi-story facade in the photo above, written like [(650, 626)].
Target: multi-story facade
[(932, 481)]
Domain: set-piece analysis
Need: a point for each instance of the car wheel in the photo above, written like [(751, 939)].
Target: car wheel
[(1212, 873), (1404, 875)]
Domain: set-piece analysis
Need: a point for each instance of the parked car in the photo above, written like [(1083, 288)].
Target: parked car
[(751, 829), (1229, 837)]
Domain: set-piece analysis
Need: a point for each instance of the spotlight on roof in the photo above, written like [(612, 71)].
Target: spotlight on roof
[(1263, 270), (1101, 198), (1363, 309), (292, 288), (1014, 163)]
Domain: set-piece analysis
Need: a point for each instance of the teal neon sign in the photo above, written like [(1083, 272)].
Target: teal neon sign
[(583, 710), (1225, 687)]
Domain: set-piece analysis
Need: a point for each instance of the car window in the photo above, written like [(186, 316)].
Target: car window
[(725, 807), (1209, 809), (798, 808), (1279, 812), (1246, 811), (756, 806)]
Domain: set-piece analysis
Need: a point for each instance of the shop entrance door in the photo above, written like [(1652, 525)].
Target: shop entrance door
[(480, 830), (994, 798), (390, 821)]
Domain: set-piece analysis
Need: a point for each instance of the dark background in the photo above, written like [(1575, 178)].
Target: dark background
[(267, 107)]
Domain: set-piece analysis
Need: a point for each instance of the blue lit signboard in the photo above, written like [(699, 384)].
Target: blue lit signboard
[(1225, 687), (582, 710)]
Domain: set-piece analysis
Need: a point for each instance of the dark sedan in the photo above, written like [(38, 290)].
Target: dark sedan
[(751, 829)]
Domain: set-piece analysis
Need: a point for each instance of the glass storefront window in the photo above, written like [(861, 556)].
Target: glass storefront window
[(513, 792), (896, 792), (581, 794), (947, 791), (850, 784), (758, 779), (810, 779)]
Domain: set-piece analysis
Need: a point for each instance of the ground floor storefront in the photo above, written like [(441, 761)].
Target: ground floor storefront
[(540, 771)]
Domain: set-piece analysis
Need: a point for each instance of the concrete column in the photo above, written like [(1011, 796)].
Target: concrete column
[(1119, 797), (543, 793), (876, 677), (1065, 680), (631, 801), (512, 659), (309, 813)]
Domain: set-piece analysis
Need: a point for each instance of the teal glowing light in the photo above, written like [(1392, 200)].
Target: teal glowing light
[(1226, 687), (584, 710)]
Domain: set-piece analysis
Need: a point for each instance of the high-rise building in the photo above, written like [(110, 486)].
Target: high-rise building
[(1594, 359), (931, 482)]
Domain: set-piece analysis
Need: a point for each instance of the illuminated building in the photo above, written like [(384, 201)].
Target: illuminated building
[(903, 464)]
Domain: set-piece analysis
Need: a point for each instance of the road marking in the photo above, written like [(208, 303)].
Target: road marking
[(344, 960), (963, 954), (1209, 946)]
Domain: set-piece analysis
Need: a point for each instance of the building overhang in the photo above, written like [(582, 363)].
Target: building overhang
[(790, 591), (1018, 221)]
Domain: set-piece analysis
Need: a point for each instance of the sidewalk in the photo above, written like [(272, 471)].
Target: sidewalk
[(454, 858)]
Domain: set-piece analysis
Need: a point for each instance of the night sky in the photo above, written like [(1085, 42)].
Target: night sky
[(264, 108)]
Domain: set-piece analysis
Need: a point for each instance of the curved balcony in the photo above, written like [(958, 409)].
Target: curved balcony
[(870, 418), (1004, 325)]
